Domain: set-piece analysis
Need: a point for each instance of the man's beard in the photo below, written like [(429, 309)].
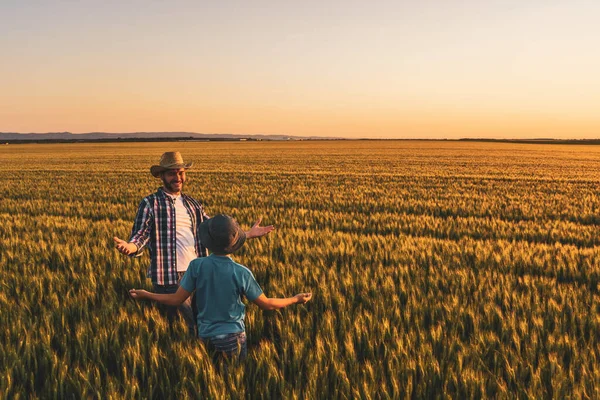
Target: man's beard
[(170, 187)]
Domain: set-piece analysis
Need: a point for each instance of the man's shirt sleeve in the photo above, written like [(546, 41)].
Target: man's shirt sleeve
[(142, 226), (203, 213)]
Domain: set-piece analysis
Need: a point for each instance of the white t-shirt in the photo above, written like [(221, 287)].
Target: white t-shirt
[(186, 250)]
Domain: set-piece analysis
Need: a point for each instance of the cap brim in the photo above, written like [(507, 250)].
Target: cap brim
[(239, 243)]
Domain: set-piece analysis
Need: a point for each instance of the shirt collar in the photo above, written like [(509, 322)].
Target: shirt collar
[(225, 257), (175, 198)]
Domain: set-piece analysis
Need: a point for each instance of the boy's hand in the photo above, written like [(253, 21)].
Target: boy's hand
[(138, 293), (303, 298)]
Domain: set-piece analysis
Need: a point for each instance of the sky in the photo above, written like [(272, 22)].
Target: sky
[(355, 69)]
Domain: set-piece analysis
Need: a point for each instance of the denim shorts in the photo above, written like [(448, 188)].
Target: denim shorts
[(231, 345)]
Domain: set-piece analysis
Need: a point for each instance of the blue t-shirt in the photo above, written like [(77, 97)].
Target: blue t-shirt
[(219, 283)]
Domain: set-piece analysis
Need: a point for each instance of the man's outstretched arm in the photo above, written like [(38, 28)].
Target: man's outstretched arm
[(170, 299), (124, 247), (258, 231), (140, 233)]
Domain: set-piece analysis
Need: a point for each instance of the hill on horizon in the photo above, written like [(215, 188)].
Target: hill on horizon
[(68, 136)]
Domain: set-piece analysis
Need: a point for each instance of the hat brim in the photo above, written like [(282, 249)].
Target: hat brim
[(238, 244), (156, 170), (207, 240)]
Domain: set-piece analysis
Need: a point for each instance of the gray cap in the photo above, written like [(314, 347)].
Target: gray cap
[(221, 234)]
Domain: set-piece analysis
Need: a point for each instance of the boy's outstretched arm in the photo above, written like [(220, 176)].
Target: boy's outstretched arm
[(170, 299), (266, 303)]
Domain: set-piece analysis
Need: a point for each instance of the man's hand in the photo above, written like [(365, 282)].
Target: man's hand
[(124, 247), (138, 294), (303, 298), (258, 231)]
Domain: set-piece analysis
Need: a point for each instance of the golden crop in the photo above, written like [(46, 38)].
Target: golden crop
[(439, 269)]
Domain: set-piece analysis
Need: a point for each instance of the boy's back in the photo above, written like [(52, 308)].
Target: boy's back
[(219, 283)]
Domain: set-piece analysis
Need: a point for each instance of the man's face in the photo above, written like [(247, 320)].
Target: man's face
[(173, 180)]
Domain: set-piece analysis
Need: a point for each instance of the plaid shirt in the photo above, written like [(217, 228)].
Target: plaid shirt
[(154, 226)]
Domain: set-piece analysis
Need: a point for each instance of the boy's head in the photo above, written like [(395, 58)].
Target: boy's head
[(222, 235)]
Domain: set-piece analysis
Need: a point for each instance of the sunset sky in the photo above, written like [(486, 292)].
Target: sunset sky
[(373, 69)]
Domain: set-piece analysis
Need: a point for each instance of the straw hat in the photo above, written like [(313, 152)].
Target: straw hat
[(221, 234), (169, 160)]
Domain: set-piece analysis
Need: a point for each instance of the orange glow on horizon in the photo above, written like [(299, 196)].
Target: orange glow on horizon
[(393, 71)]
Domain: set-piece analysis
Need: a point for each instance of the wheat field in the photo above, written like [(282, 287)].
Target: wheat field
[(438, 270)]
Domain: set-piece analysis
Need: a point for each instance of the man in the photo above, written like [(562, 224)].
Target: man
[(168, 223)]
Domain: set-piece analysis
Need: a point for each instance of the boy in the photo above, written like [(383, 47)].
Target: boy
[(219, 283)]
